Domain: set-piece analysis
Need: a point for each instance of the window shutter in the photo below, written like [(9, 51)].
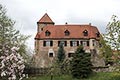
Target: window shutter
[(44, 43), (51, 43), (65, 42), (71, 43), (77, 43), (58, 43), (81, 43), (87, 43)]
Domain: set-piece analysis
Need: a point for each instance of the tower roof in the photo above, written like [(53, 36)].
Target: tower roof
[(45, 19)]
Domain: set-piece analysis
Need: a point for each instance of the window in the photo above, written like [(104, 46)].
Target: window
[(87, 43), (74, 43), (41, 29), (98, 34), (47, 33), (67, 33), (70, 55), (93, 42), (50, 54), (48, 43), (62, 42), (85, 33), (84, 43), (81, 43)]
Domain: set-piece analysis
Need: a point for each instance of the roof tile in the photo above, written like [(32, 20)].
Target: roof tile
[(76, 31)]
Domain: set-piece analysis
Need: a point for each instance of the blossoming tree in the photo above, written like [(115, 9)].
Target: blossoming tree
[(12, 64), (12, 48)]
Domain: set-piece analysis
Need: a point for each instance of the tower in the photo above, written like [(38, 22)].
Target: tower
[(44, 21)]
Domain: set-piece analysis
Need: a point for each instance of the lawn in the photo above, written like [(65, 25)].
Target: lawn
[(97, 76)]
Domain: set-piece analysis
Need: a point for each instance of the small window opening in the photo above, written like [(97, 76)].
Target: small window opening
[(70, 55), (85, 33), (41, 29), (50, 54), (67, 33), (98, 34), (47, 33)]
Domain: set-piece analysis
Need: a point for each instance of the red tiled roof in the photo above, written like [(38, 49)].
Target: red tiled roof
[(45, 19), (76, 31)]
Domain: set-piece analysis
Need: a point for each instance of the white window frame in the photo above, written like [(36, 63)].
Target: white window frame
[(48, 43), (74, 43)]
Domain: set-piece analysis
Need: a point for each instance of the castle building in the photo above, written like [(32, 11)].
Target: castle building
[(49, 36)]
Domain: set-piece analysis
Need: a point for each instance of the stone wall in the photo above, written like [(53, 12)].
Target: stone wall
[(42, 58)]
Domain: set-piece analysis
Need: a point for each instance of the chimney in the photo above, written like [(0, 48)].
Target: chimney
[(66, 23), (90, 24)]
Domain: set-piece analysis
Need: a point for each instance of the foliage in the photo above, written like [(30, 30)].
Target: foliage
[(61, 53), (112, 37), (12, 46), (81, 65), (12, 64), (96, 76), (10, 35), (106, 51), (113, 33)]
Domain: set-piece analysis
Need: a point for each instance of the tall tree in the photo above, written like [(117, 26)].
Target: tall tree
[(58, 63), (12, 46), (81, 65), (10, 35), (106, 51), (61, 53), (113, 33)]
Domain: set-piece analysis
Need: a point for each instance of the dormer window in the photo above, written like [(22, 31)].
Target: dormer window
[(67, 33), (98, 34), (47, 33), (85, 33)]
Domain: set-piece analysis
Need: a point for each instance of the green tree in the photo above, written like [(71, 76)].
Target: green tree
[(12, 45), (61, 53), (58, 63), (106, 51), (11, 36), (112, 36), (113, 33), (81, 65)]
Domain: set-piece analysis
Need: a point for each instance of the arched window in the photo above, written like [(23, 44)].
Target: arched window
[(67, 33), (47, 33), (85, 33)]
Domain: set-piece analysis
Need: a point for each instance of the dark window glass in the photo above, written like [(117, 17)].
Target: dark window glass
[(85, 33), (70, 55), (47, 33), (67, 33), (93, 42), (50, 54), (98, 34), (41, 29)]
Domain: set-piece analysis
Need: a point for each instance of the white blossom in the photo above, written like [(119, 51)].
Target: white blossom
[(3, 73), (12, 64)]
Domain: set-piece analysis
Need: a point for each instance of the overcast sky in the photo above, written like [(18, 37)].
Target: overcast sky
[(27, 12)]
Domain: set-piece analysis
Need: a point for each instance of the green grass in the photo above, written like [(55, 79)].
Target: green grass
[(96, 76)]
